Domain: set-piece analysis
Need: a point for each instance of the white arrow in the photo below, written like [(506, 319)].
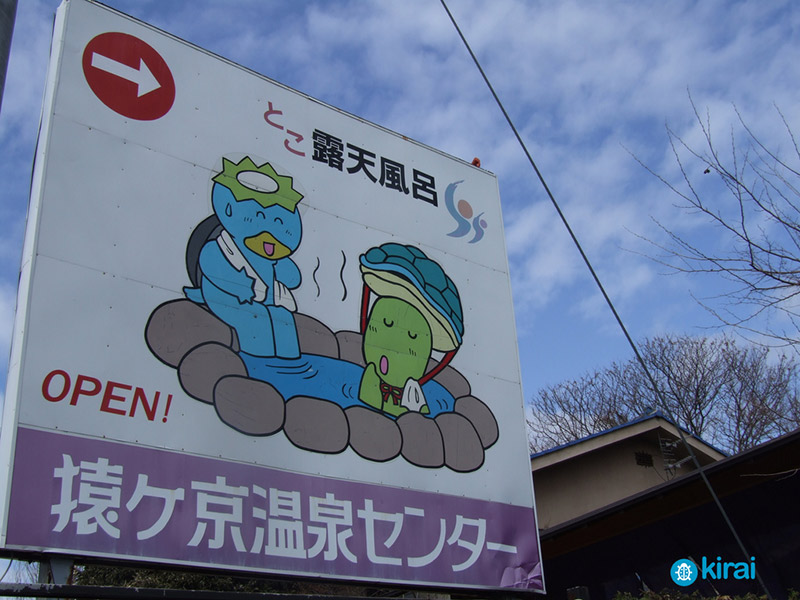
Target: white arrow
[(142, 76)]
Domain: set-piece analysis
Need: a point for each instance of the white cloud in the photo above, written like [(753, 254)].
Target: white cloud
[(24, 77), (582, 81)]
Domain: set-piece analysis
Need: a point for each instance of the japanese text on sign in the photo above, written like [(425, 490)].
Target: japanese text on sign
[(256, 519), (333, 151)]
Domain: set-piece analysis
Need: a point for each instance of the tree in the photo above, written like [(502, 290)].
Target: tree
[(754, 204), (126, 576), (730, 395)]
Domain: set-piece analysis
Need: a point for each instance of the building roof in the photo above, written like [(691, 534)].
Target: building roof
[(620, 546), (725, 473), (634, 427)]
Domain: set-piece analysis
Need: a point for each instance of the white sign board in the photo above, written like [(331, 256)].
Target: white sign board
[(257, 333)]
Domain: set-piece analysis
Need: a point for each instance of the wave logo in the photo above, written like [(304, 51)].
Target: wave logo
[(683, 572), (464, 215)]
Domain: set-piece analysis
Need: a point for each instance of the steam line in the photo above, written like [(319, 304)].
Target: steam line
[(314, 277), (341, 275)]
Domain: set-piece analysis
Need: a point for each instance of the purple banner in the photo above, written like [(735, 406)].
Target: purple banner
[(104, 498)]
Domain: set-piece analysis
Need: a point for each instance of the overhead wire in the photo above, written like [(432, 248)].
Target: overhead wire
[(8, 568), (599, 284)]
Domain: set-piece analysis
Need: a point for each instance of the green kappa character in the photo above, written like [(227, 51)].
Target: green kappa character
[(418, 310)]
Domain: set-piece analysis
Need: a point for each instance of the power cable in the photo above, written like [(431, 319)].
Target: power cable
[(607, 298), (8, 567)]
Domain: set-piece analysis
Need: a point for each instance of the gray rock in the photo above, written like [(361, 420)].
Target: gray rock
[(204, 366), (248, 405), (481, 418), (422, 440), (463, 451), (317, 425), (315, 337), (451, 379), (350, 347), (373, 435), (178, 326)]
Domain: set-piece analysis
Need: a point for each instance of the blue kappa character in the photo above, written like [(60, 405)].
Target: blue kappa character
[(246, 271)]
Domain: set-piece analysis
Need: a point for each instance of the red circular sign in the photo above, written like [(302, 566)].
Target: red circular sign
[(128, 76)]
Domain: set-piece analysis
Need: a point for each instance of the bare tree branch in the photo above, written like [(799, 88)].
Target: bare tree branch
[(733, 396), (753, 218)]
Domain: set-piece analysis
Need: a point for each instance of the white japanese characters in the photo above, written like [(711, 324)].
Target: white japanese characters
[(261, 520)]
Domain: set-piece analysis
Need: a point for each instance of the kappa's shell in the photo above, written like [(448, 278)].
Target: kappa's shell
[(405, 272)]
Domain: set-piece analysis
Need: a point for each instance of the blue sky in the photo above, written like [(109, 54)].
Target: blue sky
[(585, 82)]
